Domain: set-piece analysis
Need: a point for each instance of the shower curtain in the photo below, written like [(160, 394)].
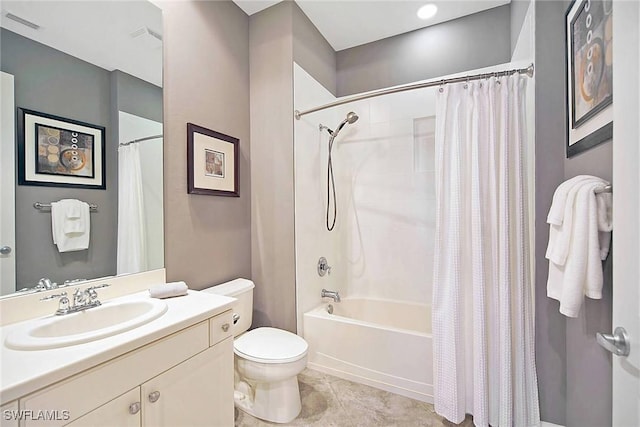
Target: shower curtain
[(483, 326), (132, 237)]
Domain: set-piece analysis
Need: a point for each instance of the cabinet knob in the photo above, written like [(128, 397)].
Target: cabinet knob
[(134, 408), (225, 327), (153, 397)]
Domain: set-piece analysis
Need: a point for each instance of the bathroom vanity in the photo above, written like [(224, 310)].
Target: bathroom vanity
[(174, 370)]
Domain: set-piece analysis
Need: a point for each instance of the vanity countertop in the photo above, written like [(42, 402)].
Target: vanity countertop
[(23, 372)]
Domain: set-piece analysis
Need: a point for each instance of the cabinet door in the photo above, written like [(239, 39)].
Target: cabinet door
[(121, 412), (10, 414), (197, 392)]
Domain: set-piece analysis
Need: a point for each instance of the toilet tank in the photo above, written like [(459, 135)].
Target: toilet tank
[(242, 291)]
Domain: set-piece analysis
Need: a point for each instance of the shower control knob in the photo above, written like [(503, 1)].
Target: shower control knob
[(134, 408), (153, 397), (323, 267)]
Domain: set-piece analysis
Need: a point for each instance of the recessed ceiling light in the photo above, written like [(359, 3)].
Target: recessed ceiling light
[(427, 11)]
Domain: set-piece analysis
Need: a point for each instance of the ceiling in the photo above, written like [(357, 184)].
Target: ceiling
[(349, 23), (98, 32)]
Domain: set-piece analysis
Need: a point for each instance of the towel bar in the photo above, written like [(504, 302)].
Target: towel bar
[(41, 206), (605, 189)]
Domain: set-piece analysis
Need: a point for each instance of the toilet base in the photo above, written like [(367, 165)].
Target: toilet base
[(277, 402)]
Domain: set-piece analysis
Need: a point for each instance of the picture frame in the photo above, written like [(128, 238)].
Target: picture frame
[(212, 162), (55, 151), (589, 77)]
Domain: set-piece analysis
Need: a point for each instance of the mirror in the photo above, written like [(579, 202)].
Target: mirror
[(97, 63)]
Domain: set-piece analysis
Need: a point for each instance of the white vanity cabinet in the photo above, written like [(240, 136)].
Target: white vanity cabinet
[(184, 379), (9, 414)]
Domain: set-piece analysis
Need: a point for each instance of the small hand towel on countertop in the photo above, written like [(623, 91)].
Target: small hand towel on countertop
[(70, 225), (168, 290)]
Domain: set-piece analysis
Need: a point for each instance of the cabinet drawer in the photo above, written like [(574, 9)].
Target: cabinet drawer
[(220, 327), (86, 391)]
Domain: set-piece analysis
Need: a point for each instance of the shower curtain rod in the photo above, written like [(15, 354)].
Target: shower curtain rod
[(135, 141), (528, 71)]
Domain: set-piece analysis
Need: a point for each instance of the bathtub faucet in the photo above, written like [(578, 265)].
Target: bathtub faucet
[(330, 294)]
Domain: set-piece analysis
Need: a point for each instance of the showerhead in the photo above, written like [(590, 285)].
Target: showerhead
[(351, 119)]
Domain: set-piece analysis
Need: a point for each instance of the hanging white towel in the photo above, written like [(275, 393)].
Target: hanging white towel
[(70, 225), (584, 234), (560, 217)]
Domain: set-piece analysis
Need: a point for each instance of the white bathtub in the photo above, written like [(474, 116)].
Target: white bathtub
[(384, 344)]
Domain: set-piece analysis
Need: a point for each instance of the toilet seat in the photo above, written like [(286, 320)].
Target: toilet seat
[(270, 345)]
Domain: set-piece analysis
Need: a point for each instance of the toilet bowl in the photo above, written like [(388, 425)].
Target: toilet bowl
[(267, 360)]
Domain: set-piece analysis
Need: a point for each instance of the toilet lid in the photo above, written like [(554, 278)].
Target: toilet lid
[(270, 345)]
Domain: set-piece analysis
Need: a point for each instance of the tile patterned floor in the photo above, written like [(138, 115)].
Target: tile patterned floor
[(328, 401)]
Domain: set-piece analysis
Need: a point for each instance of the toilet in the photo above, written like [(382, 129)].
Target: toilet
[(267, 360)]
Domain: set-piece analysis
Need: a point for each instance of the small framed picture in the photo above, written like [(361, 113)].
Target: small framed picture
[(58, 152), (212, 162), (589, 53)]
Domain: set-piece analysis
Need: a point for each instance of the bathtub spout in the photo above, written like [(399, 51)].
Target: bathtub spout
[(330, 294)]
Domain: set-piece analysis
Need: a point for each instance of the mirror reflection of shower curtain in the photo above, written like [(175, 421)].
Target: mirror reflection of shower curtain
[(132, 237)]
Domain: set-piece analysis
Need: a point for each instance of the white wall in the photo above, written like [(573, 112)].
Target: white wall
[(311, 237), (132, 127), (385, 168)]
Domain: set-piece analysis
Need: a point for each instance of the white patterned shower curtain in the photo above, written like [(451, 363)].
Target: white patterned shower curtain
[(132, 235), (483, 324)]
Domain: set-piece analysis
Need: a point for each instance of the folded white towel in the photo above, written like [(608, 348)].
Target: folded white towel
[(73, 208), (70, 234), (559, 203), (604, 203), (168, 290), (77, 216), (561, 227), (579, 272)]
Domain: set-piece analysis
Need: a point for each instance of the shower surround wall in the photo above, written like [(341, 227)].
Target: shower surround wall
[(382, 244)]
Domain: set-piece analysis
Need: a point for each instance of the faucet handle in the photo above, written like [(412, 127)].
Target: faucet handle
[(93, 295), (104, 285), (323, 267), (54, 296)]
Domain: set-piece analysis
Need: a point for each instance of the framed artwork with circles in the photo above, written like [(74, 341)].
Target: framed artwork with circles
[(589, 55), (59, 152)]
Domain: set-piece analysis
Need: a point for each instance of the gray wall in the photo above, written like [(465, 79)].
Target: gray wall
[(312, 51), (589, 368), (135, 96), (475, 41), (45, 81), (279, 36), (206, 82), (574, 373), (272, 226)]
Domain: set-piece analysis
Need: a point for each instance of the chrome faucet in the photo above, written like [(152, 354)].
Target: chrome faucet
[(46, 284), (330, 294), (82, 300)]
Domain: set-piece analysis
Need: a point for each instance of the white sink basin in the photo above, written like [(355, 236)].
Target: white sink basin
[(111, 318)]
